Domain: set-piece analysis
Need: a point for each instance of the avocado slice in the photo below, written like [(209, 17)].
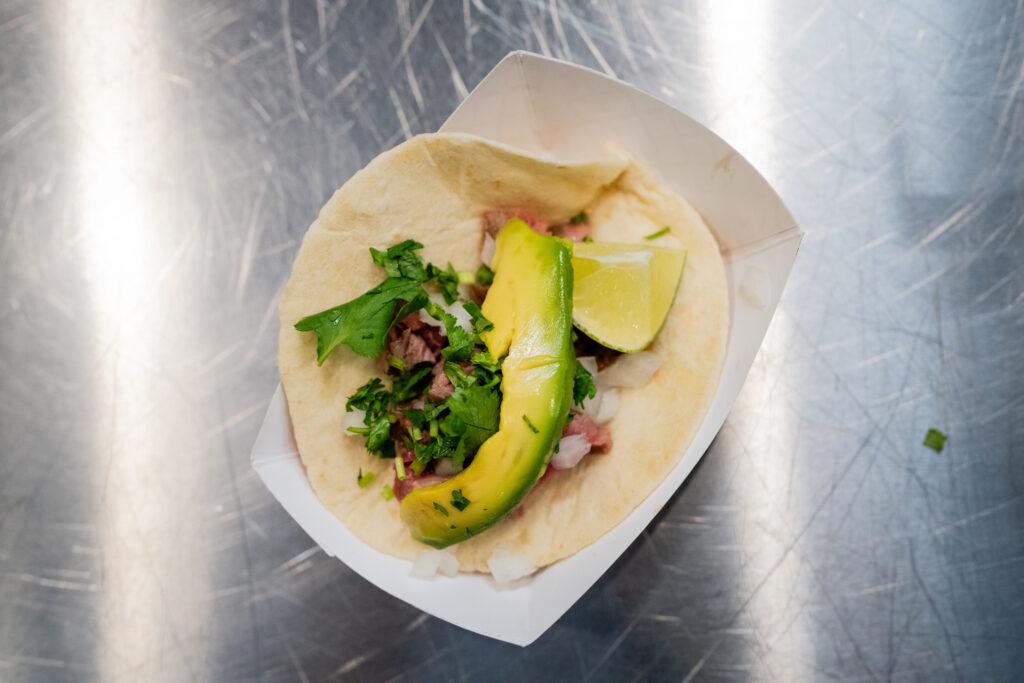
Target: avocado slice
[(530, 304)]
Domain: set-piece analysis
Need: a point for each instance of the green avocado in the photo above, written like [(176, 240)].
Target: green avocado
[(530, 304)]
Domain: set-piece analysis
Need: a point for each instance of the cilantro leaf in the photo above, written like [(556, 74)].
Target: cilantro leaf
[(369, 397), (447, 280), (363, 323), (581, 217), (378, 439), (485, 360), (457, 376), (480, 323), (460, 342), (410, 385), (583, 386), (401, 260), (477, 407), (935, 440), (484, 275), (459, 501)]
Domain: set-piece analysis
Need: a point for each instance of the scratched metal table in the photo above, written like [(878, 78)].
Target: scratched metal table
[(159, 162)]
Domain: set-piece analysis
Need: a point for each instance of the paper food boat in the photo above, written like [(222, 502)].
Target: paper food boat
[(521, 103)]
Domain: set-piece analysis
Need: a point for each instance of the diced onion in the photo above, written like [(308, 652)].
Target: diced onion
[(446, 468), (487, 251), (590, 363), (756, 287), (431, 562), (631, 370), (507, 566), (608, 407), (571, 450), (462, 316), (353, 419)]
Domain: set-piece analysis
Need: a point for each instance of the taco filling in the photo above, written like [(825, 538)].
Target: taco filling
[(486, 381)]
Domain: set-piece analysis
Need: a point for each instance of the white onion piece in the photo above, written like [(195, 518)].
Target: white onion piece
[(608, 407), (462, 316), (353, 419), (430, 562), (756, 287), (590, 363), (631, 370), (449, 563), (445, 468), (571, 450), (507, 566), (487, 251)]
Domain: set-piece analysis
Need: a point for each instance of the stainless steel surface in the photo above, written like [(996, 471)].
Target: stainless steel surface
[(159, 162)]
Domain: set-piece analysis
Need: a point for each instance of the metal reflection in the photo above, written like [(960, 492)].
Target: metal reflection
[(774, 583), (147, 607)]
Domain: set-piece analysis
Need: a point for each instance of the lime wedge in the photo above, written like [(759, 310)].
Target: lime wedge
[(622, 292)]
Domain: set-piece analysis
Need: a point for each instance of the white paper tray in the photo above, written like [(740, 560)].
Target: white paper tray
[(522, 102)]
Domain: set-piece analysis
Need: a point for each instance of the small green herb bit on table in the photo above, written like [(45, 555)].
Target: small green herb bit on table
[(935, 440)]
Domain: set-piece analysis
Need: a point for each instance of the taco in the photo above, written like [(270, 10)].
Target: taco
[(523, 410)]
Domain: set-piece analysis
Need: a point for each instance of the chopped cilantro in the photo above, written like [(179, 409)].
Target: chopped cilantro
[(378, 439), (935, 440), (372, 397), (460, 342), (410, 385), (401, 260), (484, 275), (485, 360), (363, 323), (441, 508), (459, 501), (399, 468), (583, 385), (581, 217), (386, 492), (397, 363), (364, 480), (480, 323), (655, 235), (447, 280), (477, 407), (530, 424), (457, 376)]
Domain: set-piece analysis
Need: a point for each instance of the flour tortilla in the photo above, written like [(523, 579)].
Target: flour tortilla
[(435, 189)]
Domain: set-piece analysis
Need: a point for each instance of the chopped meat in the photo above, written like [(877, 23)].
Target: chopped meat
[(410, 347), (441, 387), (402, 452), (413, 321), (402, 487), (598, 435), (496, 220), (574, 231), (432, 335)]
